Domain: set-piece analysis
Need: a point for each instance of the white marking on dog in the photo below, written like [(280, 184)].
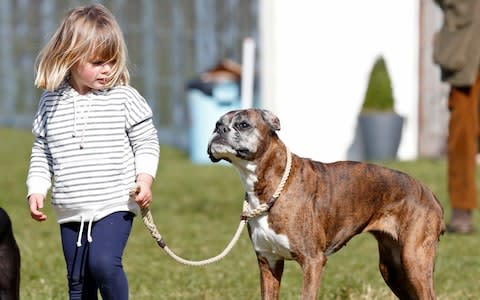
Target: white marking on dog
[(271, 245), (246, 171)]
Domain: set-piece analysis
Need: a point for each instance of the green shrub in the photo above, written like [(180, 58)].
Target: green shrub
[(379, 94)]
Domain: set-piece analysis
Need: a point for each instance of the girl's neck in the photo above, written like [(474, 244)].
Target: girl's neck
[(82, 90)]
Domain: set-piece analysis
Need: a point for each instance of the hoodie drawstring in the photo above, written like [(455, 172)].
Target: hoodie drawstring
[(74, 134), (89, 230), (80, 232), (84, 115)]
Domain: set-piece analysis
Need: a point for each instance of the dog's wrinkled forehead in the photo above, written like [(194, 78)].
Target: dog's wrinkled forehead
[(254, 117)]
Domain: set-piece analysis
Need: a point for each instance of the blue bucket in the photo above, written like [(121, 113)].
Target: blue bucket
[(205, 111)]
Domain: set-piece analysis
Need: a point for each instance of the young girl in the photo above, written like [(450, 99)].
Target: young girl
[(95, 137)]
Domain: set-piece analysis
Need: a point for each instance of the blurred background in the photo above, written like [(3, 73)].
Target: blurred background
[(316, 65), (169, 42), (311, 67)]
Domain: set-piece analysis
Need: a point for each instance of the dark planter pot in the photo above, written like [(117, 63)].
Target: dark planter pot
[(381, 134)]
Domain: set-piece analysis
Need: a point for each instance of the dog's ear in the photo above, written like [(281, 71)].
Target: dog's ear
[(271, 119)]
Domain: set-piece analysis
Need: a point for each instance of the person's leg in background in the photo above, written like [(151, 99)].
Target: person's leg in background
[(462, 152)]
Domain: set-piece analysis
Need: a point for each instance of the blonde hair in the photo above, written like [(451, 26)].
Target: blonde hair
[(88, 32)]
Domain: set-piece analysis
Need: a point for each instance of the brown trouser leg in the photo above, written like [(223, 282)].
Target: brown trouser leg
[(463, 145)]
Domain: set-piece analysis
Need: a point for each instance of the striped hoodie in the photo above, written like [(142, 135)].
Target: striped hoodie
[(89, 149)]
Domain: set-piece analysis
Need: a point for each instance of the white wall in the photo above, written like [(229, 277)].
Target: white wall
[(316, 58)]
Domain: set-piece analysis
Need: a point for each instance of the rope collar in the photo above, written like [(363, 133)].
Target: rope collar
[(265, 207)]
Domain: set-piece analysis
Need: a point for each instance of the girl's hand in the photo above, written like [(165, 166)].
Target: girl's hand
[(144, 197), (35, 201)]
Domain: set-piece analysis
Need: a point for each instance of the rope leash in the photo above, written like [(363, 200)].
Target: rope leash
[(148, 221), (246, 214)]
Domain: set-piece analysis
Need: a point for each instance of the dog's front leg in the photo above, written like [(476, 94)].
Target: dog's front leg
[(312, 273), (270, 277)]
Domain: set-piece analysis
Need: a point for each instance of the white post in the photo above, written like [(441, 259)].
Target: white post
[(248, 63)]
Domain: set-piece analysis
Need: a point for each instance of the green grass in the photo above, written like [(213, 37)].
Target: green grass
[(196, 209)]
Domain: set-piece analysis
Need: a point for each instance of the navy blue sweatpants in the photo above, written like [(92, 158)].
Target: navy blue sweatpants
[(97, 266)]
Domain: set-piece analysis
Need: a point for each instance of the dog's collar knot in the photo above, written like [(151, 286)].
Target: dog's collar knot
[(265, 207)]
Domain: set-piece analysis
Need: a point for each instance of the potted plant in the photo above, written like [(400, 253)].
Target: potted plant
[(380, 126)]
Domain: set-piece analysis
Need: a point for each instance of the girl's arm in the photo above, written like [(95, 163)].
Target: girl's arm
[(39, 178), (35, 203), (144, 142), (144, 197), (146, 149)]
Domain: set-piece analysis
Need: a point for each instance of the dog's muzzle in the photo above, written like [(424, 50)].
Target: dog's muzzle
[(212, 158), (214, 139)]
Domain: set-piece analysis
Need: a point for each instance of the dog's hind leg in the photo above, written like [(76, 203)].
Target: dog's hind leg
[(270, 277), (407, 267), (418, 256), (392, 268)]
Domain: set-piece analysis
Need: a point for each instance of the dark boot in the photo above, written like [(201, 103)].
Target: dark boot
[(461, 221)]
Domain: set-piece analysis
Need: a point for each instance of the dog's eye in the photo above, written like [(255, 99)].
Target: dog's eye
[(243, 125)]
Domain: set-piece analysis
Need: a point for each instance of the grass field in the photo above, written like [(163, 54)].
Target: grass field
[(197, 208)]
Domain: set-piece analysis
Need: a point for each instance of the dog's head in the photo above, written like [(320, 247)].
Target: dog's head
[(242, 135)]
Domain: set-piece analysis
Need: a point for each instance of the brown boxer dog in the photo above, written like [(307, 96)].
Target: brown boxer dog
[(322, 206)]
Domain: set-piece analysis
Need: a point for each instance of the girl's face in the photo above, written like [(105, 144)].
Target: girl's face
[(90, 75)]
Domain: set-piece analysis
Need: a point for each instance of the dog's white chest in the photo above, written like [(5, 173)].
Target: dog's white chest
[(265, 241), (271, 245)]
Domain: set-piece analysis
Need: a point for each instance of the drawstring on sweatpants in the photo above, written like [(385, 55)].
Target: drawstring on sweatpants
[(89, 230)]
